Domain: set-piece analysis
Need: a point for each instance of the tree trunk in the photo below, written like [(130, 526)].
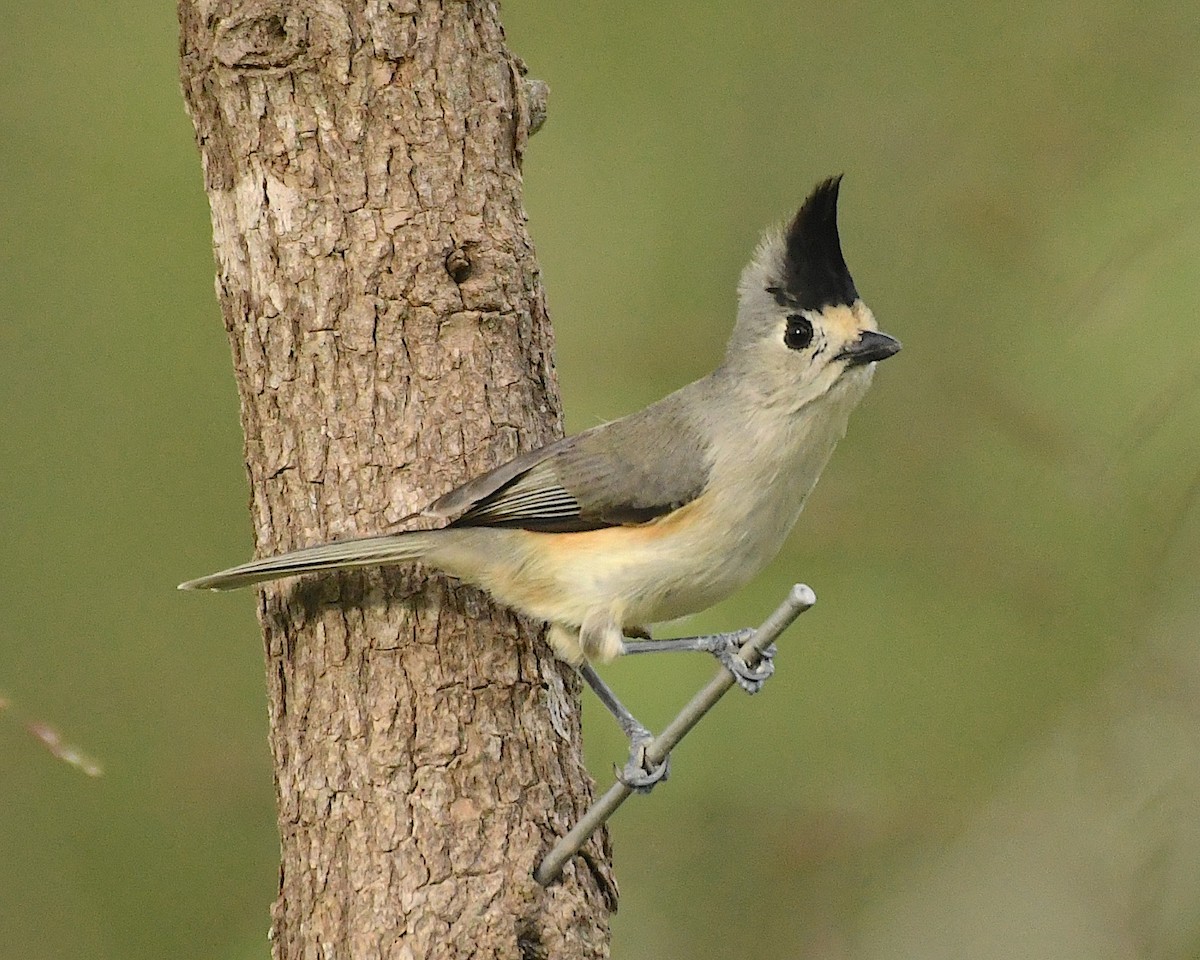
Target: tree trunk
[(390, 339)]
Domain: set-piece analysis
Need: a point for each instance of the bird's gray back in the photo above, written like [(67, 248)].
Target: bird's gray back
[(628, 471)]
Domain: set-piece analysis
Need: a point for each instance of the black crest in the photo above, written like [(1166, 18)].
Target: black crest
[(815, 274)]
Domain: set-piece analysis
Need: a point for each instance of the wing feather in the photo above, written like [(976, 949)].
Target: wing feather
[(630, 471)]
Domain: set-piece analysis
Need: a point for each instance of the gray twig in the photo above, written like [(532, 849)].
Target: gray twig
[(798, 600)]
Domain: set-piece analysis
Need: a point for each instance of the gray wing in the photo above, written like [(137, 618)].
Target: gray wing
[(629, 471)]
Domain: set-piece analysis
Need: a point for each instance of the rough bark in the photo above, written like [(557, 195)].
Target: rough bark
[(390, 338)]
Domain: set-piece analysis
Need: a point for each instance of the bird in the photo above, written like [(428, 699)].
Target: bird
[(664, 512)]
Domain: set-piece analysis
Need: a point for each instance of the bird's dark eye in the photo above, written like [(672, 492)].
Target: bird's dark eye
[(799, 331)]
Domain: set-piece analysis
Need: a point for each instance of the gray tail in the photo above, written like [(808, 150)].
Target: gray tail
[(361, 552)]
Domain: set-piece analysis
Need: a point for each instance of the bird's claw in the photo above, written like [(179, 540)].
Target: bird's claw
[(637, 774), (750, 679)]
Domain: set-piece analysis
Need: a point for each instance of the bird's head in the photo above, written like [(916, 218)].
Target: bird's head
[(802, 326)]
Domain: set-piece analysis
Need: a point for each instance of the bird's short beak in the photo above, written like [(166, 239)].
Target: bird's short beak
[(868, 348)]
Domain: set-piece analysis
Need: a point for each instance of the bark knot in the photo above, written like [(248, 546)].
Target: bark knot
[(262, 36), (459, 265)]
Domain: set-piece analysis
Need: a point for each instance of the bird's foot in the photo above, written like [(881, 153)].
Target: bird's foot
[(726, 647), (638, 773)]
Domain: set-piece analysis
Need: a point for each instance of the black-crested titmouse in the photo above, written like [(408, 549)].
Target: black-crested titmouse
[(666, 511)]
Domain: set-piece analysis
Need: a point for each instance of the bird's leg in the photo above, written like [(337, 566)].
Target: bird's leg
[(635, 773), (726, 647)]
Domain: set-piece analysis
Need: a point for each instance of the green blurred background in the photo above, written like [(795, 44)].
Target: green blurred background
[(983, 742)]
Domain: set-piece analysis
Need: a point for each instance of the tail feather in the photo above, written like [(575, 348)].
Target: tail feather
[(360, 552)]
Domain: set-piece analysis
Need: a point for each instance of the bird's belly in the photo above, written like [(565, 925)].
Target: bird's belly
[(645, 574)]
